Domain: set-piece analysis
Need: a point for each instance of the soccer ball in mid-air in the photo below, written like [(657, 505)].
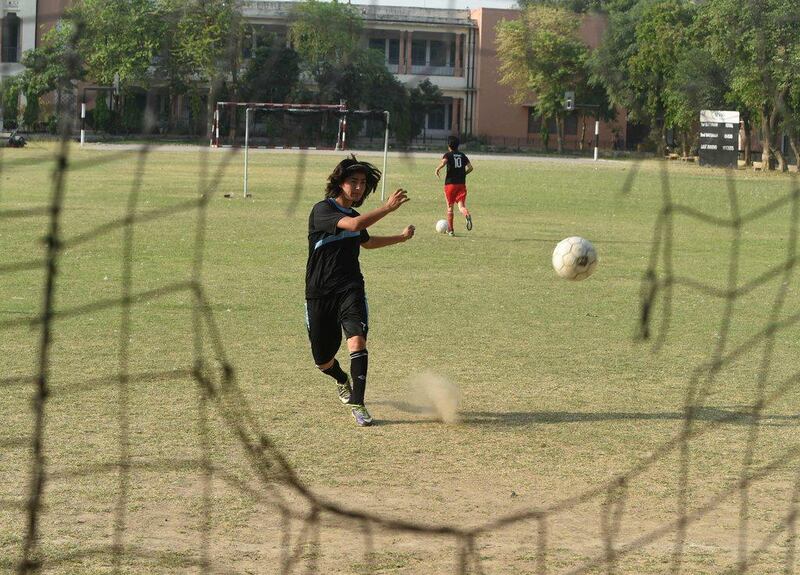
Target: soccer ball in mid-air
[(441, 226), (574, 258)]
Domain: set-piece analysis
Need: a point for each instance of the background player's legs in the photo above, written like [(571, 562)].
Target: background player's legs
[(462, 207), (449, 217)]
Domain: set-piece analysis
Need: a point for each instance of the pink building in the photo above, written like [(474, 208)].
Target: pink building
[(500, 121)]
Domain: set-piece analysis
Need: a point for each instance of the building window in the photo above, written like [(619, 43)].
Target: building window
[(438, 53), (439, 118), (533, 121), (378, 44), (9, 50), (453, 54), (388, 47), (419, 52), (535, 124), (394, 51)]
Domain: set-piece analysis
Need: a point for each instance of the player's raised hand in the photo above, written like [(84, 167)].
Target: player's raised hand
[(408, 233), (397, 199)]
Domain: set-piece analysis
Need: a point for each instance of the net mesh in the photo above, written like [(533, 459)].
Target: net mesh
[(222, 421)]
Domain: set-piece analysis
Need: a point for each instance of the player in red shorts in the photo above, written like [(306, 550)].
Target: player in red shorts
[(455, 182)]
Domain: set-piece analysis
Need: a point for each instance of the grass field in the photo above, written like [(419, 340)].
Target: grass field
[(569, 427)]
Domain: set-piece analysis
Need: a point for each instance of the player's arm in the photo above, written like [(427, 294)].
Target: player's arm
[(442, 164), (383, 241), (362, 222), (468, 168)]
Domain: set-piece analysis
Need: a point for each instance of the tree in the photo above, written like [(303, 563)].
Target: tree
[(637, 60), (203, 48), (541, 57), (10, 93), (757, 41), (422, 100), (271, 73), (119, 38), (47, 67), (326, 36)]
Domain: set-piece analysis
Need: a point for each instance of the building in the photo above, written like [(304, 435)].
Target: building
[(455, 50), (452, 47)]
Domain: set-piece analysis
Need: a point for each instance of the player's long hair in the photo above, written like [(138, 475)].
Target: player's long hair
[(347, 167)]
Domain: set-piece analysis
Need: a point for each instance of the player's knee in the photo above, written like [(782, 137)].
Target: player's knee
[(356, 343), (449, 210), (326, 365)]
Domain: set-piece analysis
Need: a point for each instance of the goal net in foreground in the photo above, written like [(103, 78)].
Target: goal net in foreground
[(295, 126)]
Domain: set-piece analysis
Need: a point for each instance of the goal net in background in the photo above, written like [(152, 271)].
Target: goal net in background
[(296, 126), (278, 125)]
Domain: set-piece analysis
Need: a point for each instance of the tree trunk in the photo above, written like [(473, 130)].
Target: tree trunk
[(766, 139), (583, 130), (560, 133), (793, 144), (748, 137), (781, 165)]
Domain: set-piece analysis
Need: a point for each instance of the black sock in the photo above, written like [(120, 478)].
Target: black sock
[(336, 372), (358, 371)]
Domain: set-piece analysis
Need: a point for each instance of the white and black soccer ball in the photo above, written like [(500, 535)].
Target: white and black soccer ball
[(441, 226), (574, 258)]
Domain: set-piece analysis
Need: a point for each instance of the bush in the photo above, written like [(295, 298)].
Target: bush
[(31, 114), (10, 106)]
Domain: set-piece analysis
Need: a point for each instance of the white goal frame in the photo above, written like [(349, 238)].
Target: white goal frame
[(341, 139)]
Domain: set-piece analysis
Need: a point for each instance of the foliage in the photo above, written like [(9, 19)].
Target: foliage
[(541, 57), (102, 115), (638, 58), (204, 41), (10, 93), (758, 41), (325, 35), (119, 38), (271, 73), (31, 114), (47, 67), (422, 100)]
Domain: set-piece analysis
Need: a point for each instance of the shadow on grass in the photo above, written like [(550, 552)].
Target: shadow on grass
[(734, 415)]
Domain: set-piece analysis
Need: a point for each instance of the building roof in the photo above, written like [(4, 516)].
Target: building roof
[(371, 13)]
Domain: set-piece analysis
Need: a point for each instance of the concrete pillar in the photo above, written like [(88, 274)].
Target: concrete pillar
[(455, 116), (408, 52), (401, 56), (459, 71)]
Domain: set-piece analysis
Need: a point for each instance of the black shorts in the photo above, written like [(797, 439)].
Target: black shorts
[(327, 317)]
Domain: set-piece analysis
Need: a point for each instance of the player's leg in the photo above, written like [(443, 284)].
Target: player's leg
[(354, 314), (449, 198), (325, 335), (461, 198)]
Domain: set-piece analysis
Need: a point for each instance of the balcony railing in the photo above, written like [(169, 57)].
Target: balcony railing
[(434, 70)]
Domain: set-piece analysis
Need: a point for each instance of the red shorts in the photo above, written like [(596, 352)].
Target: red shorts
[(455, 193)]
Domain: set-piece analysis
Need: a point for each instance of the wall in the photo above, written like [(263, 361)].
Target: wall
[(503, 122)]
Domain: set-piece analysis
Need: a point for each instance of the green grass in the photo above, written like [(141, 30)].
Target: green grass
[(557, 396)]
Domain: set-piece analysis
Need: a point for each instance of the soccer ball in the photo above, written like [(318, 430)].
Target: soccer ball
[(441, 226), (574, 258)]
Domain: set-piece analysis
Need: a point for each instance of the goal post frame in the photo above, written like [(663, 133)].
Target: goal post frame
[(341, 142)]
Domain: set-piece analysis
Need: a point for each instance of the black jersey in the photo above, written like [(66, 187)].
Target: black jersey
[(456, 167), (332, 252)]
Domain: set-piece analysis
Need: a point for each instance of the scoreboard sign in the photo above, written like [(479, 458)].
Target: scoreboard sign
[(719, 138)]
